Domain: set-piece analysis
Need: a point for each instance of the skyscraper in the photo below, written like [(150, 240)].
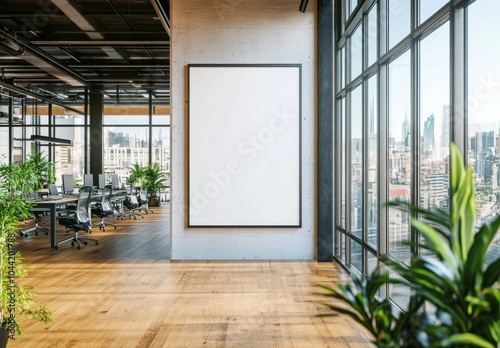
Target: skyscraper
[(428, 145)]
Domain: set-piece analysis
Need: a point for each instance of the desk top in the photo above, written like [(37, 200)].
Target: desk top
[(56, 200)]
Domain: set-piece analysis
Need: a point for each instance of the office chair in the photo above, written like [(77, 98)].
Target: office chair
[(132, 204), (143, 202), (37, 215), (104, 208), (78, 220)]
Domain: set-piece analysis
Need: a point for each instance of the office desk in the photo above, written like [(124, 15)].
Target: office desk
[(51, 205)]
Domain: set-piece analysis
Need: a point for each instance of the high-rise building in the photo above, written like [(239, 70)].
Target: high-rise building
[(428, 144), (406, 131)]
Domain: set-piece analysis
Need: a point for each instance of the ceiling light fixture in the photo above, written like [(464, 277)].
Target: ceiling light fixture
[(50, 139)]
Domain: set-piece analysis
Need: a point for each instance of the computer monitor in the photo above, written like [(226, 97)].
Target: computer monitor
[(102, 181), (68, 184), (88, 180), (114, 181)]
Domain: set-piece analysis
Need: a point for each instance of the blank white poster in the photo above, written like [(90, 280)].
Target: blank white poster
[(244, 145)]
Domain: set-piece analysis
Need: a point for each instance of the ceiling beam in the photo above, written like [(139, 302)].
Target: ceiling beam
[(76, 17), (39, 58), (163, 43), (162, 15), (28, 93)]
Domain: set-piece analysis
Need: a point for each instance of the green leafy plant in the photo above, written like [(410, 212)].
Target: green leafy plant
[(15, 299), (154, 179), (455, 297), (44, 171), (137, 176)]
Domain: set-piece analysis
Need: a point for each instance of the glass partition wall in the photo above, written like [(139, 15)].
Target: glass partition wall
[(411, 76), (131, 134)]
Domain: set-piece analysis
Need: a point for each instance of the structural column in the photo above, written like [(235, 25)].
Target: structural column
[(96, 113), (325, 130)]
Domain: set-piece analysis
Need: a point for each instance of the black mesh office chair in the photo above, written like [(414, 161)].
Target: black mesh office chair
[(104, 209), (78, 220), (132, 204), (38, 213), (143, 201)]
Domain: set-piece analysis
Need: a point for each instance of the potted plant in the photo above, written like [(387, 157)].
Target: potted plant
[(451, 279), (137, 176), (15, 299), (154, 182), (44, 171)]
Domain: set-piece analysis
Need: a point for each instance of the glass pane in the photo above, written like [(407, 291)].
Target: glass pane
[(357, 162), (372, 263), (70, 159), (372, 35), (399, 20), (399, 294), (372, 160), (4, 144), (161, 150), (340, 249), (356, 256), (123, 147), (353, 4), (126, 119), (356, 52), (429, 7), (435, 118), (483, 105), (399, 154), (69, 120)]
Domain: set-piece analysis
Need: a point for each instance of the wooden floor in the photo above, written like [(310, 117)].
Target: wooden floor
[(125, 292)]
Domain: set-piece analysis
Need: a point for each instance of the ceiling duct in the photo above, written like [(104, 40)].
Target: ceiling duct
[(42, 60)]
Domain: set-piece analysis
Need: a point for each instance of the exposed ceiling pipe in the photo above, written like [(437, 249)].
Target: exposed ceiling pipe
[(162, 15), (44, 61), (28, 93)]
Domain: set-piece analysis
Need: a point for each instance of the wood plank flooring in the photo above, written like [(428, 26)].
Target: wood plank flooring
[(125, 292)]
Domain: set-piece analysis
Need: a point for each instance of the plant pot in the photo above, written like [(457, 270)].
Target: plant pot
[(4, 336), (154, 201)]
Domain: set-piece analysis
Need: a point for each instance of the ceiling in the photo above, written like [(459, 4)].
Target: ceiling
[(56, 49)]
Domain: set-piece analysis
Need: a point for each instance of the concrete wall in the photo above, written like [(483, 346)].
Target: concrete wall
[(241, 32)]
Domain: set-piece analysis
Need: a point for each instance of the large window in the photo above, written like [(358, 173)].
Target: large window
[(130, 135), (422, 82), (483, 109)]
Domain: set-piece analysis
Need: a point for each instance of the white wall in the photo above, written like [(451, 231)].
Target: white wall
[(241, 32)]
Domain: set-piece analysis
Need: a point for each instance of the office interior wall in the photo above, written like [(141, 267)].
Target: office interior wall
[(241, 32)]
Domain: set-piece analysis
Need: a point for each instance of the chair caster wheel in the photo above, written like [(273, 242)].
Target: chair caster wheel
[(135, 218), (96, 243), (72, 244), (56, 247), (78, 248), (85, 243), (115, 227)]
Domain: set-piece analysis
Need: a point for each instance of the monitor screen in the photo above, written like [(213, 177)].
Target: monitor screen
[(88, 180), (114, 181), (68, 184), (102, 181)]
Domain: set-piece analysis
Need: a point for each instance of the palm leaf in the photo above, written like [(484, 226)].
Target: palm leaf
[(473, 269), (466, 339)]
